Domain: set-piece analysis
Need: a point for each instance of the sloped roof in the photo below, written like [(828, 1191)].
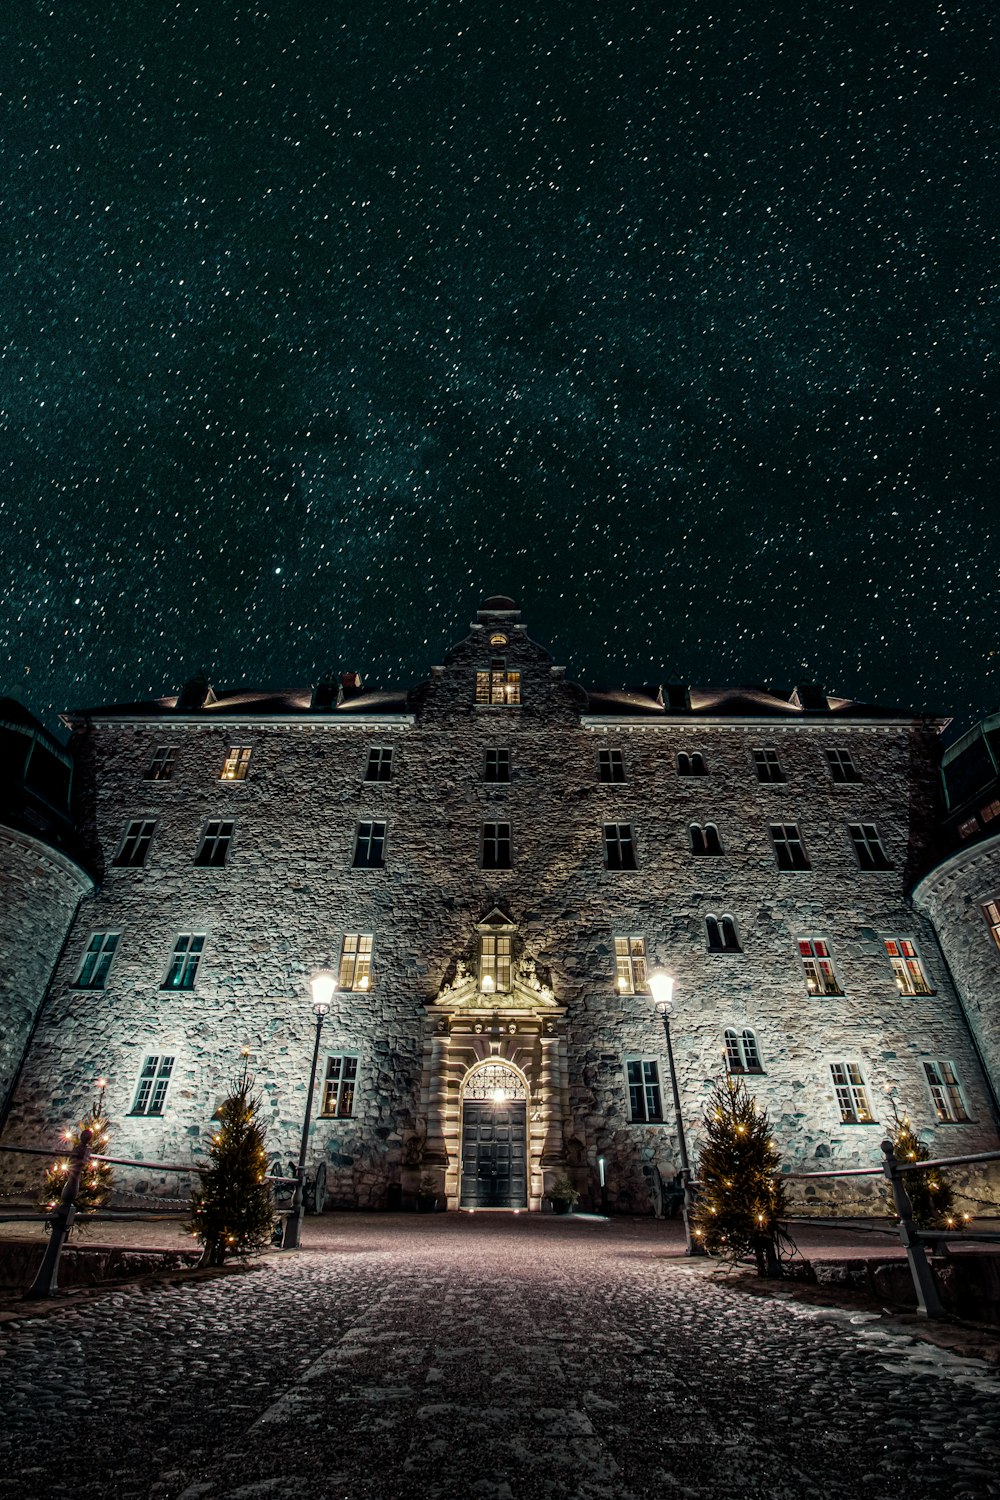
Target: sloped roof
[(250, 702)]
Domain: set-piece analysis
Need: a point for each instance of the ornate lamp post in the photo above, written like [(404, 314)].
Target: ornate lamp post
[(323, 985), (661, 987)]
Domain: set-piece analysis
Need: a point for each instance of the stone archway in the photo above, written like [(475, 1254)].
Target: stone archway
[(494, 1137)]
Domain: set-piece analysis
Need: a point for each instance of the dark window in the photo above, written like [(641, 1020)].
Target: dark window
[(645, 1102), (742, 1054), (789, 849), (611, 765), (705, 840), (692, 764), (369, 847), (842, 767), (868, 847), (619, 846), (497, 766), (135, 844), (161, 767), (215, 843), (768, 765), (379, 766), (722, 936), (97, 961), (496, 846), (339, 1085), (152, 1089), (184, 961)]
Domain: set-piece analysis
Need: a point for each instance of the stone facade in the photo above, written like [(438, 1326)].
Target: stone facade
[(280, 906)]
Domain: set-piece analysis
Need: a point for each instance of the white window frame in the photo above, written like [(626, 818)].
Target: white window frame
[(820, 972), (646, 1089), (236, 763), (185, 960), (742, 1051), (724, 925), (851, 1093), (631, 965), (101, 947), (152, 1085), (907, 968), (947, 1094), (495, 961), (354, 972), (368, 841), (217, 835), (379, 761), (139, 834), (340, 1081)]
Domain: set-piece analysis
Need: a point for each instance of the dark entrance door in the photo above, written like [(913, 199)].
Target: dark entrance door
[(494, 1159)]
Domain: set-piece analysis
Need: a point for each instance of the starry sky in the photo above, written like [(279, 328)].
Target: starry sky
[(676, 321)]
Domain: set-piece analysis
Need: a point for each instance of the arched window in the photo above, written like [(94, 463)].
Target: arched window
[(722, 936), (742, 1052), (683, 764), (697, 764), (690, 765), (705, 840)]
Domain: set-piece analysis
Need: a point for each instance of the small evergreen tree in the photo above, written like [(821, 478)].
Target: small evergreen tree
[(929, 1192), (98, 1177), (741, 1198), (232, 1211)]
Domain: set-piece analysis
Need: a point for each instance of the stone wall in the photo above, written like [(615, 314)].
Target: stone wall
[(39, 892), (953, 896), (281, 905)]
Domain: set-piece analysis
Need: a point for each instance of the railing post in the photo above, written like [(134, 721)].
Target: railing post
[(928, 1302), (46, 1283)]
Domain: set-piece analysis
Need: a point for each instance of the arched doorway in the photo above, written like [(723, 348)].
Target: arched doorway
[(494, 1138)]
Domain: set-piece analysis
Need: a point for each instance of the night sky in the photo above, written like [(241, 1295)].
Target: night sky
[(675, 321)]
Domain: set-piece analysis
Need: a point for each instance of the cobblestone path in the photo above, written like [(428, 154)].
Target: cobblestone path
[(454, 1358)]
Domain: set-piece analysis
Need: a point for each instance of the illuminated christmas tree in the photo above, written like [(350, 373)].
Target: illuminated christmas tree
[(98, 1177), (929, 1192), (232, 1211), (741, 1198)]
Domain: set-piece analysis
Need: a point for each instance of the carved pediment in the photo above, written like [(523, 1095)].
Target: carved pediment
[(495, 921), (528, 990)]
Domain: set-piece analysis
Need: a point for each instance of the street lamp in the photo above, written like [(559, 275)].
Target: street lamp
[(661, 988), (323, 985)]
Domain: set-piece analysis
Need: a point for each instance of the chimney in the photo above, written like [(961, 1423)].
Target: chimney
[(196, 693), (810, 698), (324, 694), (350, 686)]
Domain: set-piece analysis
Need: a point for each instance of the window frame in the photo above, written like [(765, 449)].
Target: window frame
[(869, 842), (354, 968), (901, 965), (156, 1074), (638, 1089), (742, 1051), (766, 758), (497, 686), (846, 1091), (948, 1089), (502, 761), (498, 841), (162, 763), (236, 764), (380, 759), (206, 854), (370, 839), (822, 991), (345, 1079), (142, 840), (789, 847), (631, 964), (708, 837), (497, 964), (621, 844), (189, 964), (97, 978), (607, 761), (841, 765), (722, 923), (991, 913)]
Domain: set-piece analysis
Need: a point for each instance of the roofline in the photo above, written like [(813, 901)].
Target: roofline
[(734, 721), (203, 720), (981, 851)]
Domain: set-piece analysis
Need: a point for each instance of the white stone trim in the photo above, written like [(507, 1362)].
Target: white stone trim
[(954, 864), (39, 849)]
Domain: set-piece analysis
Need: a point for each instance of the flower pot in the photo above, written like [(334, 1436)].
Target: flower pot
[(426, 1203), (561, 1205)]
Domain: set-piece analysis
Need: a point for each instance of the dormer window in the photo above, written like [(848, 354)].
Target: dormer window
[(494, 963), (496, 685)]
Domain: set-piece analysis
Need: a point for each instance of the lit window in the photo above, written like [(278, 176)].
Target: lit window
[(768, 766), (906, 967), (161, 767), (184, 961), (630, 965), (497, 766), (842, 767), (619, 846), (237, 764), (496, 685), (153, 1083), (990, 811), (690, 765), (644, 1099), (722, 936), (213, 850), (968, 828), (852, 1096), (369, 845), (355, 961), (496, 846), (135, 844), (611, 765), (705, 840), (991, 911), (946, 1091), (789, 850), (494, 963), (379, 767), (742, 1053), (339, 1085), (97, 961), (821, 978), (868, 847)]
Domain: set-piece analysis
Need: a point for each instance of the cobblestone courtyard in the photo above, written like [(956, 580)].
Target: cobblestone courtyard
[(455, 1357)]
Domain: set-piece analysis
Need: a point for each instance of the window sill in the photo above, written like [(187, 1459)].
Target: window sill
[(142, 1114), (861, 1124), (501, 708)]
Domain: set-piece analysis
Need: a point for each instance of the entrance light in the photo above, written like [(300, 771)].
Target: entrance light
[(323, 985)]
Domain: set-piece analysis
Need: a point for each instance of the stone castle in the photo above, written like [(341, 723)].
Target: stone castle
[(492, 864)]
